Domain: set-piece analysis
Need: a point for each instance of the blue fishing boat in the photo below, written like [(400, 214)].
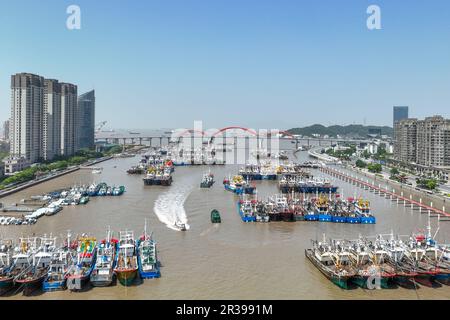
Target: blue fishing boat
[(103, 273), (59, 265), (245, 210), (148, 264), (81, 268), (362, 209)]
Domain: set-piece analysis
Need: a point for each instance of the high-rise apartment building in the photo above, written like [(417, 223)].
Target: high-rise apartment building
[(400, 113), (51, 120), (432, 134), (27, 99), (423, 142), (45, 119), (86, 119), (405, 140), (6, 125), (69, 119)]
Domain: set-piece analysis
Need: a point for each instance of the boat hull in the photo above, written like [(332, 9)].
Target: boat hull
[(127, 277), (31, 285), (342, 282), (50, 286), (6, 285)]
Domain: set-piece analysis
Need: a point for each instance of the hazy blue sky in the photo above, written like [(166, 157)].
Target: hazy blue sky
[(264, 64)]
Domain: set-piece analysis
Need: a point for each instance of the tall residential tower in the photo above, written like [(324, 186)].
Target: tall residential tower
[(27, 100), (86, 120)]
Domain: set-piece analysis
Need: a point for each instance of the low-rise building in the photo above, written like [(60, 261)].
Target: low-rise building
[(14, 164)]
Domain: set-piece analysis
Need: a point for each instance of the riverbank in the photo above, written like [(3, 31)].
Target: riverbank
[(51, 176), (322, 156), (402, 190)]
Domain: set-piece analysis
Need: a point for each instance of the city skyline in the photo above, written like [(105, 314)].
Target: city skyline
[(256, 64)]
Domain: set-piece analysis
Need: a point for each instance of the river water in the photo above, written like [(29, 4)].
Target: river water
[(232, 260)]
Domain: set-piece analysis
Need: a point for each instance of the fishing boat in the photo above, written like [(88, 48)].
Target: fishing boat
[(369, 272), (126, 267), (362, 208), (323, 258), (83, 264), (246, 211), (118, 191), (33, 277), (148, 263), (207, 180), (6, 251), (215, 216), (59, 266), (103, 273)]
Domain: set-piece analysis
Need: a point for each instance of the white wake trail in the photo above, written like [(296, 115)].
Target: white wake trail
[(169, 207)]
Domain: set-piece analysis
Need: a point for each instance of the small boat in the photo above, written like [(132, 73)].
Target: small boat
[(126, 267), (147, 256), (84, 199), (207, 180), (118, 191), (97, 171), (180, 226), (80, 270), (103, 273), (215, 216)]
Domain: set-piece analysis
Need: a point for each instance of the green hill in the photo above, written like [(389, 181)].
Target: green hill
[(353, 130)]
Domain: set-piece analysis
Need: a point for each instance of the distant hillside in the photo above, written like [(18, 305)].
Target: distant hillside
[(353, 130)]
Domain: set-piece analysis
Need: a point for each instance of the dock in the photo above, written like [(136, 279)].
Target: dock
[(388, 194)]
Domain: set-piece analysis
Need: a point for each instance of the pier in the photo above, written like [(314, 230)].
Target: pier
[(388, 194)]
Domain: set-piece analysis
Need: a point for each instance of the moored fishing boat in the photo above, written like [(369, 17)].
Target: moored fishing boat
[(6, 251), (32, 278), (126, 267), (59, 265), (103, 273), (147, 256), (81, 268), (118, 191), (323, 258)]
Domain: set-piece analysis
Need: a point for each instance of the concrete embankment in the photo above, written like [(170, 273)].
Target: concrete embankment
[(403, 194), (315, 153), (31, 183)]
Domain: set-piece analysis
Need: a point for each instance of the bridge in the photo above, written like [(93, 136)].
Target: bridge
[(214, 134)]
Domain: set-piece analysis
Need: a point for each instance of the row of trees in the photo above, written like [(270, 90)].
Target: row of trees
[(58, 164)]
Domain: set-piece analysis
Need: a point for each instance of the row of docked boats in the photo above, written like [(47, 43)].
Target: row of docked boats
[(238, 185), (292, 208), (52, 203), (384, 262), (38, 263), (266, 170), (298, 184), (159, 176)]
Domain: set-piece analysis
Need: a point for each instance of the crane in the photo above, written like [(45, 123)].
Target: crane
[(100, 126)]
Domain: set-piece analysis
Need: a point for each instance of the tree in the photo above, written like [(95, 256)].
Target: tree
[(360, 163), (394, 172), (375, 168)]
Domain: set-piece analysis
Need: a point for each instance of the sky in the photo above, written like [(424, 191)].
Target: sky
[(260, 64)]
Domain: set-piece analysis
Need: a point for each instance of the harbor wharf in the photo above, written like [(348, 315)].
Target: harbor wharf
[(395, 195), (37, 181)]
